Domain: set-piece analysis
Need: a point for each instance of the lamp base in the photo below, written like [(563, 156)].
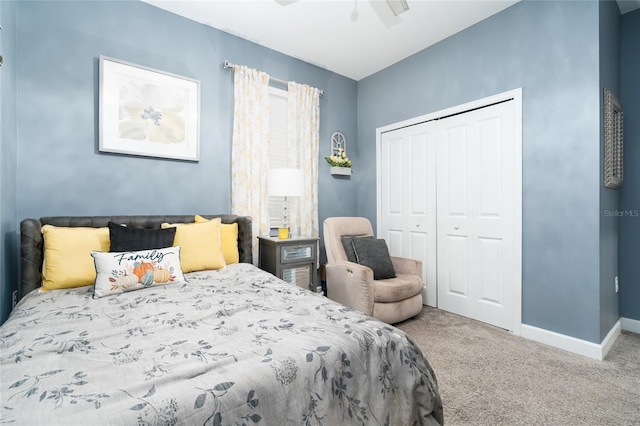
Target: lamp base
[(283, 233)]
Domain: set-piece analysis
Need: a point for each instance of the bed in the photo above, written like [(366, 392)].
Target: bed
[(229, 346)]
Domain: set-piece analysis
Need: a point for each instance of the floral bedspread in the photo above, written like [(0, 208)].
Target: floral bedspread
[(231, 347)]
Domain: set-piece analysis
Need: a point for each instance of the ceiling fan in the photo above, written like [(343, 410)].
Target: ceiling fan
[(398, 6)]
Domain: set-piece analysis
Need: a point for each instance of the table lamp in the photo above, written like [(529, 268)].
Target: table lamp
[(285, 183)]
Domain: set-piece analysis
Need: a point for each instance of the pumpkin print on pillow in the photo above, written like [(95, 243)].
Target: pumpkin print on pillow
[(134, 270)]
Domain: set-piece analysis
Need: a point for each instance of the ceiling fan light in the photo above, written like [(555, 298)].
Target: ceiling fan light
[(398, 6)]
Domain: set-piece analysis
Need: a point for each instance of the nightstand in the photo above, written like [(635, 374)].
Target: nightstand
[(294, 260)]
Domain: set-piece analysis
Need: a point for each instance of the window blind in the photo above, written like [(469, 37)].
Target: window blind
[(277, 147)]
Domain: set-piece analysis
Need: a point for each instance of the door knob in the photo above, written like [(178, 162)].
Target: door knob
[(456, 227)]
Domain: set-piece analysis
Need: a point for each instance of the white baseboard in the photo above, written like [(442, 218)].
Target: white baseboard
[(571, 344), (632, 325), (611, 337)]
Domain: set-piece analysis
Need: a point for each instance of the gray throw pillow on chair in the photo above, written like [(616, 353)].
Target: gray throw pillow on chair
[(347, 243), (374, 253)]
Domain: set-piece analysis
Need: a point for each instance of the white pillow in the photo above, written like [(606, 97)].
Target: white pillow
[(134, 270)]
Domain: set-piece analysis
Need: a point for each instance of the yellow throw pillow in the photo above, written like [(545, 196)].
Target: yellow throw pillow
[(200, 245), (67, 255), (228, 240)]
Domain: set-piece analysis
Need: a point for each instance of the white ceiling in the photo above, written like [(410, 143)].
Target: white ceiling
[(354, 38)]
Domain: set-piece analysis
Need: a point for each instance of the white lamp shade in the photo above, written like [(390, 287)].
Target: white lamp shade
[(285, 183)]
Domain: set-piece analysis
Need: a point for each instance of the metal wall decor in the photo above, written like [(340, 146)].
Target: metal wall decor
[(613, 141), (339, 162), (338, 143)]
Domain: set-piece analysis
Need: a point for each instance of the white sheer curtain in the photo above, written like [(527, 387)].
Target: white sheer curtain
[(249, 152), (303, 136)]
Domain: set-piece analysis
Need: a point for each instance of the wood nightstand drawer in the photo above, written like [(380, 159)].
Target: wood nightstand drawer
[(296, 253), (299, 275), (294, 260)]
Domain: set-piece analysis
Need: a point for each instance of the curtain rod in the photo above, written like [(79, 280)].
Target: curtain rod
[(228, 65)]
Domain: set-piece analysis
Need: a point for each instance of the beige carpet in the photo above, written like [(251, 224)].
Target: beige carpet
[(488, 376)]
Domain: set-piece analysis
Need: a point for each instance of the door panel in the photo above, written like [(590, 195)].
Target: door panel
[(394, 158), (418, 241), (490, 265), (394, 239), (490, 164), (453, 216), (456, 258), (475, 201), (418, 172), (454, 149), (407, 194)]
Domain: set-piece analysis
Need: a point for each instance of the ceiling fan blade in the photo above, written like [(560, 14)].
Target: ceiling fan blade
[(383, 11), (398, 6)]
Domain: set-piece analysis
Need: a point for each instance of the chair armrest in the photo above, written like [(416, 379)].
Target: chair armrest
[(403, 265), (350, 284)]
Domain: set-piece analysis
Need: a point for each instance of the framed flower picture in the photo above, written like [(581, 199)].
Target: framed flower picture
[(147, 112)]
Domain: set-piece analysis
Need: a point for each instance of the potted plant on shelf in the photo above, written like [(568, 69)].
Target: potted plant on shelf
[(340, 163)]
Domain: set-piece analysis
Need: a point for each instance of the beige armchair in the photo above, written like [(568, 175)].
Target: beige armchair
[(389, 300)]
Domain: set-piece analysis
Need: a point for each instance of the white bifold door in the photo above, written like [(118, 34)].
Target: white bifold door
[(448, 196), (408, 198)]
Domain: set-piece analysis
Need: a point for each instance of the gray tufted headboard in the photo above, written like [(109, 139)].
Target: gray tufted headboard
[(32, 244)]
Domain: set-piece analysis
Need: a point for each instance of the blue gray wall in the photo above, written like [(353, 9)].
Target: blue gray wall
[(550, 49), (553, 50), (630, 189), (609, 199), (8, 159), (59, 168)]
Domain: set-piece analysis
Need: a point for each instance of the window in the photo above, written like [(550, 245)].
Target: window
[(277, 147)]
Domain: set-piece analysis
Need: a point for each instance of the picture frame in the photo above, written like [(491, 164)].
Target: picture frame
[(148, 112), (613, 141)]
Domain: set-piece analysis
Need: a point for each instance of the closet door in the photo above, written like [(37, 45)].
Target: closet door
[(407, 198), (476, 214)]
